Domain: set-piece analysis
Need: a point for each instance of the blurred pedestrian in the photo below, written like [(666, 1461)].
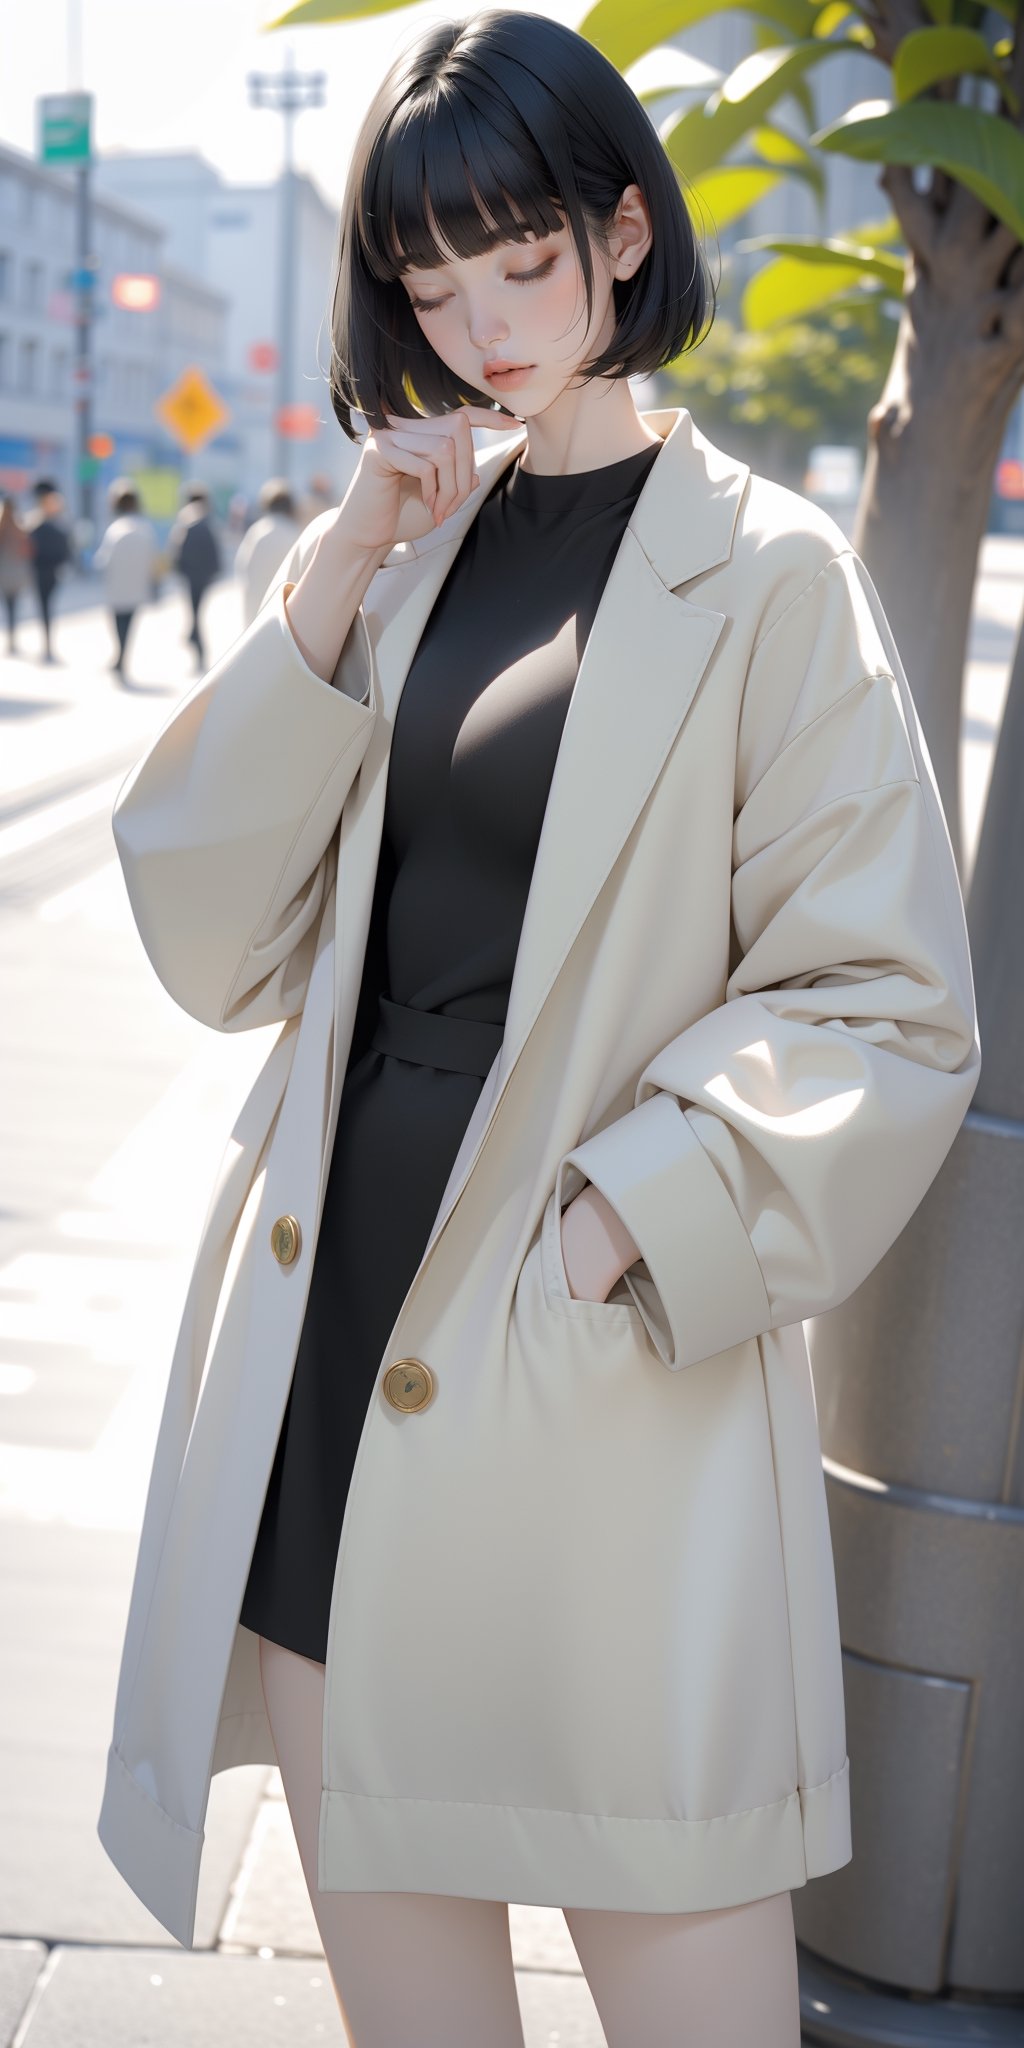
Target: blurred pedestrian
[(239, 519), (320, 495), (15, 561), (265, 544), (51, 548), (127, 556), (194, 552)]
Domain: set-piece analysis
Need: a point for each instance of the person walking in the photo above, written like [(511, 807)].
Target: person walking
[(193, 550), (127, 557), (566, 811), (319, 495), (15, 562), (51, 549), (266, 542)]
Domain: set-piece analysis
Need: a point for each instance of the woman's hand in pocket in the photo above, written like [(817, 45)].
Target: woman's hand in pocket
[(596, 1246)]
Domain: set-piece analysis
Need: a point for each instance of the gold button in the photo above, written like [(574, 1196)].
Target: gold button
[(409, 1384), (285, 1239)]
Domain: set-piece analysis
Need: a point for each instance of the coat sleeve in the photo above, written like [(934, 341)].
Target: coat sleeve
[(225, 828), (777, 1147)]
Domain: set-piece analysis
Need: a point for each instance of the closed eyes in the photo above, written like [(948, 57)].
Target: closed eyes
[(515, 277)]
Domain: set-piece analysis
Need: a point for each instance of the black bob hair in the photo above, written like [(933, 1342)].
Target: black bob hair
[(502, 124)]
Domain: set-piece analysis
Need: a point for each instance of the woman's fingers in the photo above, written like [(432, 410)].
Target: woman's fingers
[(435, 451), (444, 442)]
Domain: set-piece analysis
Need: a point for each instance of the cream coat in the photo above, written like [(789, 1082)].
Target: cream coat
[(583, 1642)]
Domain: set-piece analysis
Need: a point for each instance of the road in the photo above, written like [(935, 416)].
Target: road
[(115, 1106)]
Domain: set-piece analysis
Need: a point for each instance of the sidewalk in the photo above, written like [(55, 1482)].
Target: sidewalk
[(123, 1999), (270, 1983)]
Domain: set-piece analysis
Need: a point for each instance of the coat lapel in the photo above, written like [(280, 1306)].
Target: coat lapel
[(641, 667)]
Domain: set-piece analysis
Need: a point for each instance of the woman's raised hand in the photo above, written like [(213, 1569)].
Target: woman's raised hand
[(412, 476)]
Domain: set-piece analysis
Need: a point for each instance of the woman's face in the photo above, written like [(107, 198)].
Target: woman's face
[(522, 303)]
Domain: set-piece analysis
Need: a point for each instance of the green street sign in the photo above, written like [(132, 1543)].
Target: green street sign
[(87, 467), (65, 119)]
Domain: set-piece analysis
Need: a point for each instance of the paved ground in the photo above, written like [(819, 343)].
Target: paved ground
[(113, 1112)]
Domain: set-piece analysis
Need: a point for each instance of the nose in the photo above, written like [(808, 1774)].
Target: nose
[(483, 334)]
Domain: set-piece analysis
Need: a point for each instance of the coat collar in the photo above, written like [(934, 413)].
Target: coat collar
[(641, 667), (683, 518)]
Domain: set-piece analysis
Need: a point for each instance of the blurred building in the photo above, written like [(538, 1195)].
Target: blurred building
[(229, 235), (213, 249), (135, 356)]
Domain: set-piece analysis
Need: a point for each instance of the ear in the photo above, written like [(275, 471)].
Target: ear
[(631, 234)]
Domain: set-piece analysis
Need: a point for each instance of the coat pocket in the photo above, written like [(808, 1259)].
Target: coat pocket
[(555, 1283)]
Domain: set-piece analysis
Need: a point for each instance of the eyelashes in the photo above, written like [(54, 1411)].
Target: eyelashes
[(521, 277)]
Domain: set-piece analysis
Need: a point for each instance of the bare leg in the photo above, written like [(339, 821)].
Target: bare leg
[(409, 1969), (692, 1980)]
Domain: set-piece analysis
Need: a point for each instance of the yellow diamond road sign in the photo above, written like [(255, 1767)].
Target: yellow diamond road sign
[(191, 409)]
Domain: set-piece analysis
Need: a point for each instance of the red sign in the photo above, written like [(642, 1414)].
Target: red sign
[(262, 355), (1010, 478), (298, 422)]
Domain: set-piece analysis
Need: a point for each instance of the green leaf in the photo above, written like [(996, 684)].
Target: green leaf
[(666, 70), (833, 16), (624, 31), (774, 145), (334, 10), (983, 151), (729, 192), (928, 54), (806, 282), (704, 135), (827, 250)]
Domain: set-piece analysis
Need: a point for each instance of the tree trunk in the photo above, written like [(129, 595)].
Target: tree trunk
[(933, 441), (994, 921)]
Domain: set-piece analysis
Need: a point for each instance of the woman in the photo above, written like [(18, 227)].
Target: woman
[(567, 808), (127, 557), (15, 558)]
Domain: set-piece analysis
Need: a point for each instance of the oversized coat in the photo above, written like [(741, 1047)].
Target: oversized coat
[(583, 1644)]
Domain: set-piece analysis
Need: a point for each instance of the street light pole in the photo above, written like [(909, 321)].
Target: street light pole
[(286, 92), (83, 371), (84, 282)]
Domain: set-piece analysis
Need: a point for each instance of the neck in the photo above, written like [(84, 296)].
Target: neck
[(584, 428)]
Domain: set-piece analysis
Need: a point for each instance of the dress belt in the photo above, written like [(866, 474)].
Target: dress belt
[(429, 1038)]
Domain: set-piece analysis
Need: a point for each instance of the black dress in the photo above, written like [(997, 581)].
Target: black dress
[(472, 754)]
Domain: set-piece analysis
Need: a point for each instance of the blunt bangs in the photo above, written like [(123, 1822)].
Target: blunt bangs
[(420, 169), (488, 130)]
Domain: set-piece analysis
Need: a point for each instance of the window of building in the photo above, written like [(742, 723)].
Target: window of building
[(35, 279), (29, 367)]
